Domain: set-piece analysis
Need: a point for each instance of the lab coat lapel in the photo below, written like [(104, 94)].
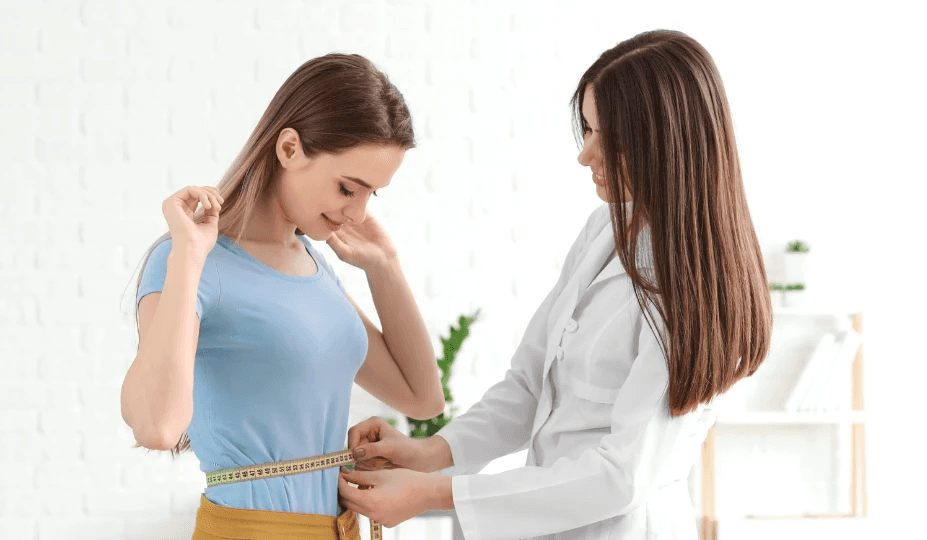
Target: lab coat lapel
[(592, 260), (586, 270)]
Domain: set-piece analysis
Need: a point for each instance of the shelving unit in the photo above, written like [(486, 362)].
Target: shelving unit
[(855, 419), (788, 418)]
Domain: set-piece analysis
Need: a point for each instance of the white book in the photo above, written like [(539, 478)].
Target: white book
[(841, 386), (822, 390), (839, 383), (834, 389), (819, 380), (824, 349), (820, 386)]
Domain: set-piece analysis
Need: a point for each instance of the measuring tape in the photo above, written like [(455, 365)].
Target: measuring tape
[(283, 468)]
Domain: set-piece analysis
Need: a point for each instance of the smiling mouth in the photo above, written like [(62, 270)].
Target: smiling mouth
[(331, 223)]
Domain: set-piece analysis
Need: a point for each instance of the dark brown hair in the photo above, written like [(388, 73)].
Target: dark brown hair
[(663, 114), (334, 102)]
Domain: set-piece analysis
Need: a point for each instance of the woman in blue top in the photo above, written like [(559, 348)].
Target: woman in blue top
[(248, 343)]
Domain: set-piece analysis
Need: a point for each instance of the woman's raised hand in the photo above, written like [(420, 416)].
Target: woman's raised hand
[(178, 210), (364, 245), (377, 445)]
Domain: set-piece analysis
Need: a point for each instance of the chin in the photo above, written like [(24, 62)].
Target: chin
[(317, 235)]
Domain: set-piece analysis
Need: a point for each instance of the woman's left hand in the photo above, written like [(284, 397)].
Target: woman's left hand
[(393, 495), (365, 245)]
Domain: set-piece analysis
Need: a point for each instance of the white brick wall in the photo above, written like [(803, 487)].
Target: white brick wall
[(109, 106)]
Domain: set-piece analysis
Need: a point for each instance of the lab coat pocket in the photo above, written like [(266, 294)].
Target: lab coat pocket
[(599, 394), (605, 361)]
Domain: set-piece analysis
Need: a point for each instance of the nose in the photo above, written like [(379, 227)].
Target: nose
[(588, 156), (583, 157), (356, 211)]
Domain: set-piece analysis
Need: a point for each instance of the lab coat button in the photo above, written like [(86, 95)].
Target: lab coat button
[(559, 354), (571, 325)]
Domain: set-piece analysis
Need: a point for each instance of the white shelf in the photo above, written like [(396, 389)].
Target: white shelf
[(790, 418), (795, 528), (813, 311), (801, 323)]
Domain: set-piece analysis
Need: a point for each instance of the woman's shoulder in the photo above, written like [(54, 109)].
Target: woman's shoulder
[(161, 247)]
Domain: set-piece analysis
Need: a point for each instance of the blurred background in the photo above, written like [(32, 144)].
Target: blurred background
[(110, 106)]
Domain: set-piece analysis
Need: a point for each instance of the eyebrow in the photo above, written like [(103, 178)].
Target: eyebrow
[(356, 180)]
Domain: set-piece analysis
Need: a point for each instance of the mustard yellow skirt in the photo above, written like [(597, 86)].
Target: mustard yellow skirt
[(214, 522)]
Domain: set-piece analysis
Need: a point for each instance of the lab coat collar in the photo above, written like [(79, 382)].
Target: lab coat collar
[(605, 244), (602, 246), (584, 277)]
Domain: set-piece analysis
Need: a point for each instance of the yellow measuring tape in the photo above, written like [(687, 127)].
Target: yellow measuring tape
[(283, 468)]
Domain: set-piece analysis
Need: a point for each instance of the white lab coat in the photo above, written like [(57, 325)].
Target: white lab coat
[(586, 393)]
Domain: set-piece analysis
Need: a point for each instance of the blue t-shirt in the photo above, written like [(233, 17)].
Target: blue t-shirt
[(275, 361)]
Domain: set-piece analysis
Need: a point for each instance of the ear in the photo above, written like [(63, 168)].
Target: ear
[(290, 149)]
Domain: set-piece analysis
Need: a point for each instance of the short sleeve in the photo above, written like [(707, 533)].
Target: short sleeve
[(155, 271), (321, 258)]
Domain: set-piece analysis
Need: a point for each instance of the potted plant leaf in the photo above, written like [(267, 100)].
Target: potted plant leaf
[(452, 344)]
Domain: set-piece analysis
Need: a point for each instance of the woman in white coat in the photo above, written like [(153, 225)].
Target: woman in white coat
[(661, 305)]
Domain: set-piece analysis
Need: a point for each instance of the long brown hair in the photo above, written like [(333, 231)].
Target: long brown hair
[(334, 102), (664, 116)]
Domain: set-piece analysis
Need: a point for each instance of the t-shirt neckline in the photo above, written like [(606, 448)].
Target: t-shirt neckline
[(229, 244)]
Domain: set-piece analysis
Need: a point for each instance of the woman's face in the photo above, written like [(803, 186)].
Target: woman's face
[(322, 193), (591, 154)]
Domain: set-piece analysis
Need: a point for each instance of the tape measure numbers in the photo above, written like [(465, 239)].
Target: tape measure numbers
[(284, 468)]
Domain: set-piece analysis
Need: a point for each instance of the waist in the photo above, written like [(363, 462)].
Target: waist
[(242, 523), (315, 493)]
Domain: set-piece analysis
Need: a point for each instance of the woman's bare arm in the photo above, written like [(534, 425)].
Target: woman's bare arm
[(157, 394), (400, 368)]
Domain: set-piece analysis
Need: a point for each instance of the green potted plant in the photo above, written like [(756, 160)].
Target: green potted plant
[(427, 428), (797, 253)]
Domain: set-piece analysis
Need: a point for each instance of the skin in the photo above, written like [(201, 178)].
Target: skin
[(395, 495), (308, 190)]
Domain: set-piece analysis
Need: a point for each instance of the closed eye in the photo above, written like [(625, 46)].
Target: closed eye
[(346, 193)]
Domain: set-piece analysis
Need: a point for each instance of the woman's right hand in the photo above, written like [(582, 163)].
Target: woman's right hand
[(178, 210), (382, 442)]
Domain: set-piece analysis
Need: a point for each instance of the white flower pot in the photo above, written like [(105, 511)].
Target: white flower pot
[(777, 298), (796, 268), (794, 298)]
